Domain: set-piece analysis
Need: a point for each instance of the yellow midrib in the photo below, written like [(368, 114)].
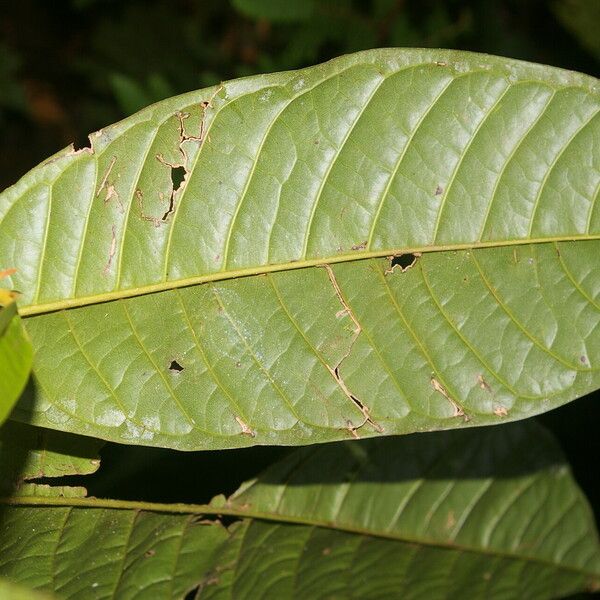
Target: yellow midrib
[(67, 303)]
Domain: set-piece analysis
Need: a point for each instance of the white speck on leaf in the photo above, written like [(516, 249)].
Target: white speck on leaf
[(111, 417)]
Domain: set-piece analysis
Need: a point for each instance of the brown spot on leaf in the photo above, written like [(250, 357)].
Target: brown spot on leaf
[(360, 246), (438, 387), (246, 430), (483, 384)]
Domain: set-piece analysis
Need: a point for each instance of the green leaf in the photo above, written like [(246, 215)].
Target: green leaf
[(28, 453), (132, 253), (460, 339), (104, 553), (479, 514), (12, 591), (16, 357), (489, 513)]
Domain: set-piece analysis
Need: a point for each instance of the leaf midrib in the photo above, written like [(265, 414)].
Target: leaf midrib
[(208, 510), (68, 303)]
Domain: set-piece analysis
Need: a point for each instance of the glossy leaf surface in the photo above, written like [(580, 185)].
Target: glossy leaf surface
[(466, 338), (131, 253)]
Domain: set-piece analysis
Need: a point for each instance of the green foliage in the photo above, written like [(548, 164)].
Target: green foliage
[(263, 190), (478, 512), (16, 356), (392, 242), (582, 18)]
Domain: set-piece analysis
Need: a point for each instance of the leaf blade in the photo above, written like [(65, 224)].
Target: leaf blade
[(509, 101), (349, 350), (327, 511)]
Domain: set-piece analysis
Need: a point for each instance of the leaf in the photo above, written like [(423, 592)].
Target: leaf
[(460, 339), (489, 513), (16, 353), (104, 553), (12, 591), (172, 264), (28, 453)]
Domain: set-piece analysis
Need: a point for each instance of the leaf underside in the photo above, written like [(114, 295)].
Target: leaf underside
[(492, 513), (280, 358), (130, 256)]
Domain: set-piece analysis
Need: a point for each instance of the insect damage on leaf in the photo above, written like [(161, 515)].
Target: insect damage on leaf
[(404, 262), (335, 371), (246, 430), (438, 387), (175, 366)]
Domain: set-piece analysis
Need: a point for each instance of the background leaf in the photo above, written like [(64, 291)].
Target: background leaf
[(16, 357), (581, 18), (29, 453), (276, 10), (491, 513)]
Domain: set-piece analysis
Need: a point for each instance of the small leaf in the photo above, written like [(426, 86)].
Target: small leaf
[(28, 453), (16, 354)]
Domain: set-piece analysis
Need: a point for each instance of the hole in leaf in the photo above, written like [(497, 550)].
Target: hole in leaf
[(175, 367), (177, 177), (82, 142), (192, 594), (404, 261)]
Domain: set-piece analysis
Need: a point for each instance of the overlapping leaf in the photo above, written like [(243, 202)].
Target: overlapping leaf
[(489, 513), (374, 154), (16, 354), (29, 453)]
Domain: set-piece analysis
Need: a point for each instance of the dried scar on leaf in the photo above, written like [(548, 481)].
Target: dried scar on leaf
[(245, 429), (438, 387), (483, 384), (500, 411), (335, 371), (111, 252)]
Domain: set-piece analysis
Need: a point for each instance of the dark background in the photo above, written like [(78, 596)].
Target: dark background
[(70, 67)]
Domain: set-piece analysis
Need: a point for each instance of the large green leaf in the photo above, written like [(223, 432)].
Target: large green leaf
[(493, 163), (489, 513)]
